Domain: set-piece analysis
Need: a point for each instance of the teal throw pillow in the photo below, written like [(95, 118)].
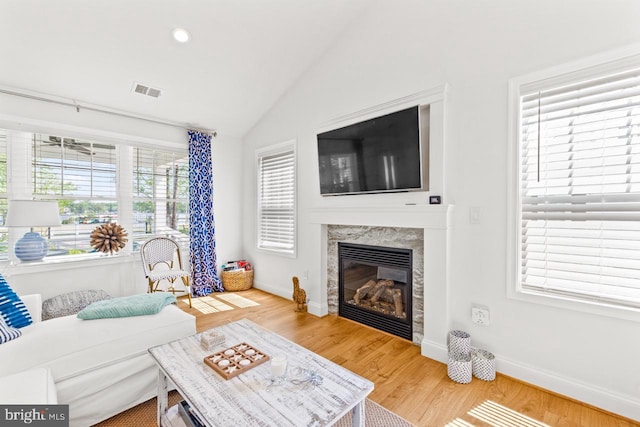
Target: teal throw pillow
[(135, 305), (12, 309)]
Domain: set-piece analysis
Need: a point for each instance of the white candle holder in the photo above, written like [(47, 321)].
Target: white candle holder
[(278, 366)]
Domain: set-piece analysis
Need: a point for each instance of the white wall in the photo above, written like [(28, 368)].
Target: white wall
[(122, 275), (400, 48), (228, 163)]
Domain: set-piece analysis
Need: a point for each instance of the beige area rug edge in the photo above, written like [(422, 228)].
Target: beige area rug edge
[(144, 415), (376, 415)]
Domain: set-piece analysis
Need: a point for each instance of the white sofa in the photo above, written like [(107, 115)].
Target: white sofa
[(34, 386), (100, 367)]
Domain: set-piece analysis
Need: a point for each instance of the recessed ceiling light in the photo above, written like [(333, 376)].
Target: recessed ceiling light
[(181, 35)]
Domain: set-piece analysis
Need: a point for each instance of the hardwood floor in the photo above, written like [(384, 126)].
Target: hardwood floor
[(415, 387)]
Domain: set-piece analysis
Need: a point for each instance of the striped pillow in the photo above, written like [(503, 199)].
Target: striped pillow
[(12, 309), (7, 333)]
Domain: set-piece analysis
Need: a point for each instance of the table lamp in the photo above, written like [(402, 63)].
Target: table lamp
[(32, 213)]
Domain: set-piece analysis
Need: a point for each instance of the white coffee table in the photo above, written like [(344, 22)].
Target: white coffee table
[(249, 399)]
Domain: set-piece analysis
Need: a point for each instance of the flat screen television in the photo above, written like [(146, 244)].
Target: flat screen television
[(384, 154)]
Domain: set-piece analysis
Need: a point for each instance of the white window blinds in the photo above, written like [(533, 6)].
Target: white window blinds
[(70, 168), (276, 200), (160, 195), (82, 177), (580, 189)]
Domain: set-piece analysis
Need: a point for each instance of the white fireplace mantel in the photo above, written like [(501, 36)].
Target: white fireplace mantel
[(410, 215), (396, 210), (436, 222)]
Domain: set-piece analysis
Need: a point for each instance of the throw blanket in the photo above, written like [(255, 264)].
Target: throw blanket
[(135, 305)]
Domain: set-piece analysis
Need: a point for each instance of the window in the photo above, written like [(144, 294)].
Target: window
[(144, 190), (578, 185), (160, 195), (277, 199), (81, 176)]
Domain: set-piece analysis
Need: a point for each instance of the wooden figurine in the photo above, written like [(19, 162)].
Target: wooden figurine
[(299, 296)]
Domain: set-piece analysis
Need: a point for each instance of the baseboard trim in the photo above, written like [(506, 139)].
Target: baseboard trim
[(316, 309), (273, 290), (312, 307), (598, 397), (434, 350)]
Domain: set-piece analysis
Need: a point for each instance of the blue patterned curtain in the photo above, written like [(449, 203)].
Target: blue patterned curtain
[(202, 253)]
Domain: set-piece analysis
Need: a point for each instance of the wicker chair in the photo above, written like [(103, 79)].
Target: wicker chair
[(158, 259)]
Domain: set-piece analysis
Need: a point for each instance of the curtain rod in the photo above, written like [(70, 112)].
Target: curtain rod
[(77, 107)]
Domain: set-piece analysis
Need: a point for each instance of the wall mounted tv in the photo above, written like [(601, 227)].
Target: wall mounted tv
[(384, 154)]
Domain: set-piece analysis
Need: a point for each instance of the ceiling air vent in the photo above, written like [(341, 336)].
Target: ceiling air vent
[(153, 92), (146, 90)]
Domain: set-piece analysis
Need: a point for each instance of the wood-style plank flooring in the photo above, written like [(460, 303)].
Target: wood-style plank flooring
[(415, 387)]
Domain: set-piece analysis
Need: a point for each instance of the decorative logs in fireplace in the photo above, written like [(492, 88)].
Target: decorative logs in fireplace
[(380, 296), (375, 287)]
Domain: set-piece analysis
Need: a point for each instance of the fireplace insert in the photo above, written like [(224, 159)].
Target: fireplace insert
[(375, 287)]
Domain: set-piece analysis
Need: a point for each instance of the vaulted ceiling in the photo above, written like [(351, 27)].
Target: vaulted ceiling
[(242, 57)]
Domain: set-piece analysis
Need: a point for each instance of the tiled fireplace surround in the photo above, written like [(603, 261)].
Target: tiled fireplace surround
[(394, 237), (422, 228)]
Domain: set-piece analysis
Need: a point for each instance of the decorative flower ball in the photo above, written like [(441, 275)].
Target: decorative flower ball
[(108, 238)]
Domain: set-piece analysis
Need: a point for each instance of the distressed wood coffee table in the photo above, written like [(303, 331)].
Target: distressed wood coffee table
[(250, 399)]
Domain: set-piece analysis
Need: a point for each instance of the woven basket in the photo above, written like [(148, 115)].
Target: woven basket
[(483, 364), (237, 280), (460, 368), (459, 343)]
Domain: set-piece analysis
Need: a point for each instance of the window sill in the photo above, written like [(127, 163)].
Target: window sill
[(286, 254), (64, 263), (576, 304)]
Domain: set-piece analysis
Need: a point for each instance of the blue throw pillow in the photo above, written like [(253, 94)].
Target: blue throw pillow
[(13, 311), (7, 333)]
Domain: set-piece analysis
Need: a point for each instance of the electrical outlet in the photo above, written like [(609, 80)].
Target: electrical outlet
[(480, 315)]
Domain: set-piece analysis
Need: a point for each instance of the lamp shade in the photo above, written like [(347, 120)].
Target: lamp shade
[(32, 213)]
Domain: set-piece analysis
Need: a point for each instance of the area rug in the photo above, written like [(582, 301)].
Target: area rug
[(376, 416), (144, 415)]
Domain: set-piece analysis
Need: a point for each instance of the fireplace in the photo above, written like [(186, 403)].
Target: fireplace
[(375, 287)]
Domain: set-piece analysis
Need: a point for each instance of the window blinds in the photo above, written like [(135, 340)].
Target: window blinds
[(580, 189), (160, 174), (276, 201), (160, 194), (73, 169), (82, 177)]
